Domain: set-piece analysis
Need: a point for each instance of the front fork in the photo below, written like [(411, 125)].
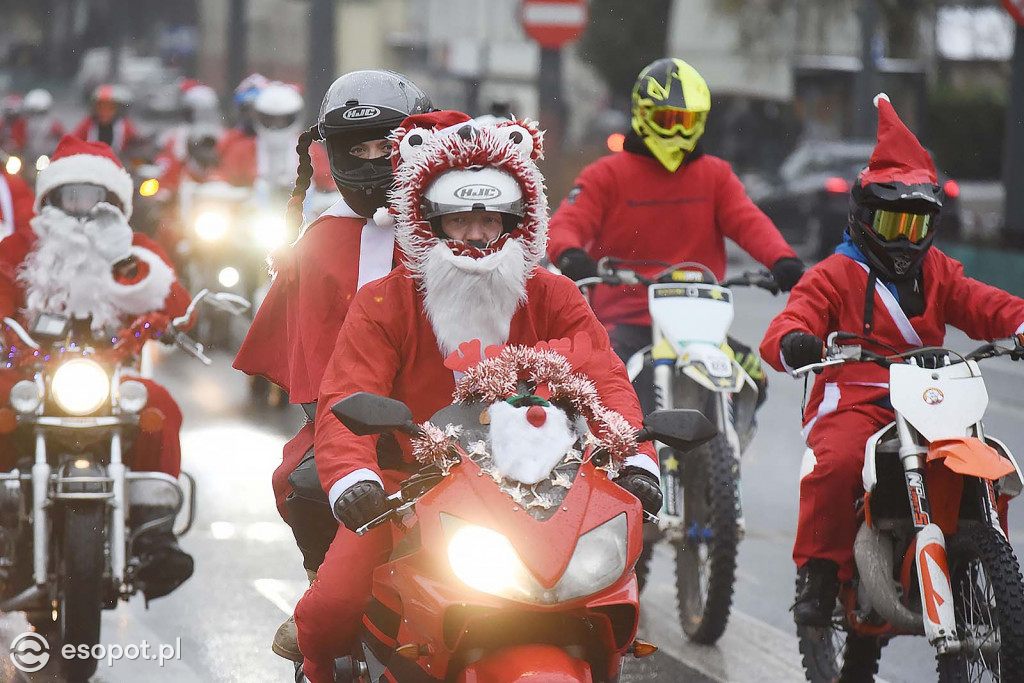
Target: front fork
[(930, 546)]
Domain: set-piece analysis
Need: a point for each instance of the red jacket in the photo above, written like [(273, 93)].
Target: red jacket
[(629, 206), (292, 337), (13, 135), (239, 164), (16, 210), (831, 297), (387, 347), (125, 132)]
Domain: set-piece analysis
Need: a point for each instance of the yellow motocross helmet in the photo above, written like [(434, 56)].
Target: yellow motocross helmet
[(671, 102)]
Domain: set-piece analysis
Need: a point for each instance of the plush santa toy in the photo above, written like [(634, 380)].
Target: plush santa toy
[(84, 260)]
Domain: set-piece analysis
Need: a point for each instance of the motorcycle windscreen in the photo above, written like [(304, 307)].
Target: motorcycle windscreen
[(942, 403), (691, 312)]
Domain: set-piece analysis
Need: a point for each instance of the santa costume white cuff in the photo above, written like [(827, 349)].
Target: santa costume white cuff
[(351, 479)]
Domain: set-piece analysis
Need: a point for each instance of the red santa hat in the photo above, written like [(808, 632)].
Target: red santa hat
[(898, 155), (78, 161), (431, 144)]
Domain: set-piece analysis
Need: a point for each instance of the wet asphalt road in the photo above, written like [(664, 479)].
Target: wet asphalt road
[(248, 572)]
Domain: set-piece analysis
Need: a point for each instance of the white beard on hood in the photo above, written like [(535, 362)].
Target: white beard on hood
[(467, 298), (65, 274)]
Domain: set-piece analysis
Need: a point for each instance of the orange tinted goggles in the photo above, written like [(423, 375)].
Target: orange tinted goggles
[(668, 120)]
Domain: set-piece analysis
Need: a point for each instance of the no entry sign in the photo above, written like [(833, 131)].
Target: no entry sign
[(553, 23)]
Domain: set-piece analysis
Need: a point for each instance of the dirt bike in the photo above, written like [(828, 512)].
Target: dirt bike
[(932, 557), (494, 581), (67, 538), (690, 365)]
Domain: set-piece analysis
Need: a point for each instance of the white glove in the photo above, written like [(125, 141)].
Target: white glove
[(110, 233)]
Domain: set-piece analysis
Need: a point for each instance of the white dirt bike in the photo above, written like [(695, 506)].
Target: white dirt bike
[(932, 558), (689, 364)]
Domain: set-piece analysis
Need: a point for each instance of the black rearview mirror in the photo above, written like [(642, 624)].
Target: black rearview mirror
[(682, 430), (365, 414)]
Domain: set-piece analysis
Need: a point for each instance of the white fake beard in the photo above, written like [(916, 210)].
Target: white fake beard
[(467, 298), (522, 452), (65, 275)]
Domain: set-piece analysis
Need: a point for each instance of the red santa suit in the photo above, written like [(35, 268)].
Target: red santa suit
[(41, 283), (123, 134), (627, 205), (401, 327), (849, 402), (16, 209), (292, 336), (240, 162), (13, 134)]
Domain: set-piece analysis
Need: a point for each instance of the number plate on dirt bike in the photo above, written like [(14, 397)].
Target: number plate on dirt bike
[(691, 313), (941, 403)]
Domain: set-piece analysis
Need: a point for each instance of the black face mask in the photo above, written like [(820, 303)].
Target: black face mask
[(353, 173), (365, 203)]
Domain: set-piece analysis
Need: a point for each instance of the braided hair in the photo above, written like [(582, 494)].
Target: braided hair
[(303, 179)]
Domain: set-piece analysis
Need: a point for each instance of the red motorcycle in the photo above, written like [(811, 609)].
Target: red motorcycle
[(493, 580)]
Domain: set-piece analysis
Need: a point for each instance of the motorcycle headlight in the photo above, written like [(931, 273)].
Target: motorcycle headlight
[(228, 277), (132, 396), (80, 386), (42, 162), (270, 231), (149, 187), (25, 396), (211, 226), (13, 165), (485, 560)]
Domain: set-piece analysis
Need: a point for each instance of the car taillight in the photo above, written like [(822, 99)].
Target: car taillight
[(837, 185), (952, 189)]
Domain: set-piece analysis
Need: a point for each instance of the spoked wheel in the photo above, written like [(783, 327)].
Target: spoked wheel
[(988, 600), (706, 548), (80, 586), (833, 655)]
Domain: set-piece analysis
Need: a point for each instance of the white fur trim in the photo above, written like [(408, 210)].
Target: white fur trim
[(351, 479), (522, 452), (880, 96), (451, 284), (383, 217), (376, 252), (149, 293), (341, 210), (86, 168), (1020, 329), (644, 462), (6, 209), (807, 463)]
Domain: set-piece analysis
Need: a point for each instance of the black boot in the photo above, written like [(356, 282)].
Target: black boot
[(817, 587), (163, 564)]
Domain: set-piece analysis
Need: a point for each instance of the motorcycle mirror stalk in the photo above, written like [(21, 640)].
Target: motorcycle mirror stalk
[(364, 413), (680, 429)]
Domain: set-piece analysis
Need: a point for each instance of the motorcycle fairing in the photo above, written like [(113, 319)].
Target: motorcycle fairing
[(527, 663), (421, 585), (942, 403), (691, 313)]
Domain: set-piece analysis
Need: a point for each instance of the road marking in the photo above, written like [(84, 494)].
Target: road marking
[(277, 592)]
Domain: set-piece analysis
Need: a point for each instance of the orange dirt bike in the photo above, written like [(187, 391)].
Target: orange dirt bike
[(932, 556)]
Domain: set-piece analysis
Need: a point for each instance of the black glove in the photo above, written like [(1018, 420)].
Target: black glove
[(787, 272), (644, 485), (360, 503), (800, 349), (576, 264)]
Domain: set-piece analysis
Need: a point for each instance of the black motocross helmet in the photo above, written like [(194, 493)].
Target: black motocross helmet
[(361, 106), (893, 224)]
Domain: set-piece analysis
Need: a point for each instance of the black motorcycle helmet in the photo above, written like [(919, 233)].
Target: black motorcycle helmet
[(361, 106), (893, 224)]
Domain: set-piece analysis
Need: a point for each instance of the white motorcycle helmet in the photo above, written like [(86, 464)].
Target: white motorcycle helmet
[(200, 104), (37, 101), (474, 189), (277, 107)]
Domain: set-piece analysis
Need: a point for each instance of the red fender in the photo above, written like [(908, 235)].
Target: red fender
[(970, 456), (528, 663)]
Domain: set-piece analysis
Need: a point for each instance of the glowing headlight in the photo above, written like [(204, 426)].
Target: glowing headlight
[(149, 187), (80, 386), (132, 396), (13, 165), (42, 162), (270, 231), (485, 560), (211, 226), (228, 277), (25, 396)]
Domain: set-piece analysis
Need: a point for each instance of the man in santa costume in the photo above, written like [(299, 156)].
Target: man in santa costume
[(16, 202), (469, 271), (292, 336), (83, 261), (915, 291), (108, 123)]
